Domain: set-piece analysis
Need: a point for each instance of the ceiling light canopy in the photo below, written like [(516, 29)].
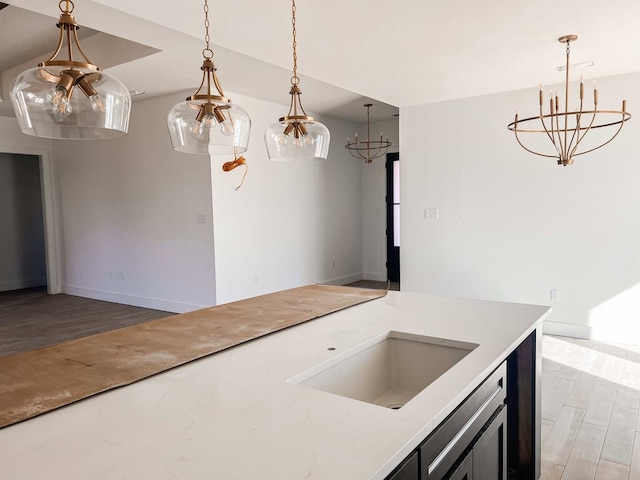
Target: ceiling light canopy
[(567, 129), (296, 135), (207, 122), (70, 99), (369, 149)]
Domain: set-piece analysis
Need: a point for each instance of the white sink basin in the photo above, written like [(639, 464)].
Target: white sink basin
[(388, 370)]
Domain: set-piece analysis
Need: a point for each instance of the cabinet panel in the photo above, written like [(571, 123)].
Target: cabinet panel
[(490, 450), (448, 442), (408, 470), (463, 470)]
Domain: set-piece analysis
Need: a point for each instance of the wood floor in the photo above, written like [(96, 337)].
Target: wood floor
[(590, 402), (590, 390), (31, 319)]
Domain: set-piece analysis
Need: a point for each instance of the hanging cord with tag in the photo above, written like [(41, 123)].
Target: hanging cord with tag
[(236, 162)]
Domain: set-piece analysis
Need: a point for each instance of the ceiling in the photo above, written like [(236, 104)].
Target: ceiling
[(392, 54)]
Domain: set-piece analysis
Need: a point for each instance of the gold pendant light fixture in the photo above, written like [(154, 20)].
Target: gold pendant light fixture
[(296, 135), (567, 130), (70, 99), (207, 122), (369, 149)]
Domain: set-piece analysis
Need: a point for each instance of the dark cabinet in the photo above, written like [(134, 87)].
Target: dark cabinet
[(408, 470), (490, 450), (471, 443)]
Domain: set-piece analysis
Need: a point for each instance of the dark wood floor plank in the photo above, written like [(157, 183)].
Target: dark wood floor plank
[(31, 319)]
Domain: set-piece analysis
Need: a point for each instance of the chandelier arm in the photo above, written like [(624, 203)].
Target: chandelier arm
[(75, 37), (576, 131), (531, 151), (204, 77), (58, 48), (562, 148), (580, 137), (546, 130), (217, 83), (608, 141)]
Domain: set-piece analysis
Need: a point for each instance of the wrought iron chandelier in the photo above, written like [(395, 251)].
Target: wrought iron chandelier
[(207, 122), (369, 149), (70, 99), (566, 130), (296, 135)]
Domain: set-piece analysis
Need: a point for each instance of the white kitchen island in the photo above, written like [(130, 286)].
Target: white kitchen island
[(235, 415)]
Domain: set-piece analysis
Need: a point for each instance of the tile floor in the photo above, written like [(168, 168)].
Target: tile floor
[(590, 402)]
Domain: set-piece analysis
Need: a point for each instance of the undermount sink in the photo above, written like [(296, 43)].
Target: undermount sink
[(388, 370)]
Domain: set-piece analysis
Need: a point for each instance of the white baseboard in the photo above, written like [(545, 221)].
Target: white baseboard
[(136, 301), (356, 277), (22, 283), (629, 336)]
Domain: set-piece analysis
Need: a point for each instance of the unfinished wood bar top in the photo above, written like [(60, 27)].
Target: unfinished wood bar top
[(238, 415)]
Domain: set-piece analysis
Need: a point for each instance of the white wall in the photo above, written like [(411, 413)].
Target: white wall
[(129, 211), (290, 221), (374, 217), (514, 226), (22, 250)]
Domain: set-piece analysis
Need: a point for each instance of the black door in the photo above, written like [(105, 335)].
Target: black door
[(393, 217)]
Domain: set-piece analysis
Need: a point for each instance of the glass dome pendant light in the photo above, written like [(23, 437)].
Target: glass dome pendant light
[(69, 99), (206, 123), (296, 135)]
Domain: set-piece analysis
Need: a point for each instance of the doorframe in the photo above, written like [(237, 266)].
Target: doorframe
[(51, 225)]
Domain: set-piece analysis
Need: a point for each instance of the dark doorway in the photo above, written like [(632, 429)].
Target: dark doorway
[(393, 217)]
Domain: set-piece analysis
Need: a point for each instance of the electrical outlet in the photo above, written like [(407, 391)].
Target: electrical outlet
[(554, 295), (431, 213), (202, 218), (333, 264)]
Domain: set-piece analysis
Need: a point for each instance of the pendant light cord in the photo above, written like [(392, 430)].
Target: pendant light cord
[(294, 79)]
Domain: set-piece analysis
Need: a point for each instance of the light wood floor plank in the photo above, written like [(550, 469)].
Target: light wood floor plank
[(546, 427), (551, 471), (618, 445), (563, 435), (634, 473), (583, 460), (611, 471), (554, 394), (628, 397), (601, 404), (581, 392)]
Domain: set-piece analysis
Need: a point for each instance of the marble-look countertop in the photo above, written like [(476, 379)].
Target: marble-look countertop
[(234, 416)]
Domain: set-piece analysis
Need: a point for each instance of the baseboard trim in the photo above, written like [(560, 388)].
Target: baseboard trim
[(376, 276), (136, 301), (22, 283), (618, 335), (356, 277)]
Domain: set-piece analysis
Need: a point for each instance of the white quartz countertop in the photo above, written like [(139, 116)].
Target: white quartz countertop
[(233, 415)]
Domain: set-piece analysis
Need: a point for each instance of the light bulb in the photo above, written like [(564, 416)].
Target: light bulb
[(226, 127), (196, 129), (207, 122), (97, 103), (308, 139), (282, 139), (297, 142), (60, 104)]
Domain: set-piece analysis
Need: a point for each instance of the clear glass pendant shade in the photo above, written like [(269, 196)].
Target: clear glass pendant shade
[(283, 147), (46, 109), (209, 127)]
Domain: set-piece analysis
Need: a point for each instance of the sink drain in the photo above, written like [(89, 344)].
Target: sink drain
[(395, 406)]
